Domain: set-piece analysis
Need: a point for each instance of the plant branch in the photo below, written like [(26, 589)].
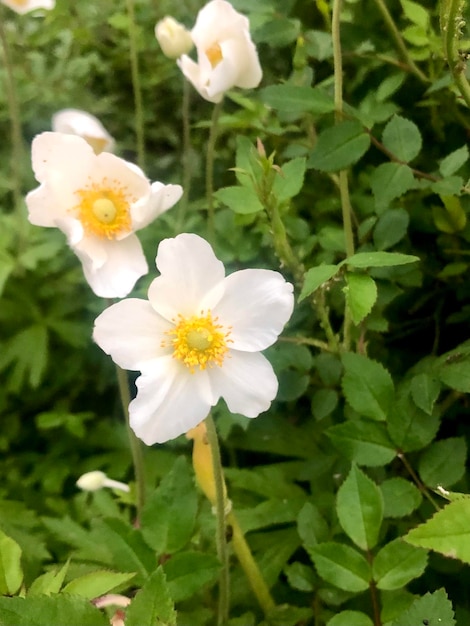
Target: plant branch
[(417, 481), (136, 85)]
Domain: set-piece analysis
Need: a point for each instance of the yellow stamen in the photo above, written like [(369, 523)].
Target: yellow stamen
[(104, 209), (214, 54), (199, 342)]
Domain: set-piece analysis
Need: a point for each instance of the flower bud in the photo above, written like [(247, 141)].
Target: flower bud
[(92, 481), (173, 38), (85, 125)]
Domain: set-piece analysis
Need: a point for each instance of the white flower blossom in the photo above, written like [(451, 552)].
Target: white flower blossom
[(226, 55), (98, 201), (85, 125), (173, 37), (198, 338), (24, 6)]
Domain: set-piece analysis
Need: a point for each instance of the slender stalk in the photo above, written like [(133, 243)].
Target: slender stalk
[(136, 85), (417, 481), (186, 156), (451, 26), (135, 445), (398, 39), (210, 156), (221, 533), (249, 565)]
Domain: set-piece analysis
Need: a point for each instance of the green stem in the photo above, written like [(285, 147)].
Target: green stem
[(136, 86), (186, 157), (450, 27), (398, 39), (210, 156), (221, 531), (417, 481), (249, 565), (135, 445), (281, 242)]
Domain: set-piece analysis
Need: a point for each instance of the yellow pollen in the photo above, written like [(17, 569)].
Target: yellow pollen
[(104, 209), (199, 342), (20, 3), (214, 54)]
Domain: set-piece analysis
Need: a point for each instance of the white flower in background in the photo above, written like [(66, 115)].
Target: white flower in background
[(174, 39), (85, 125), (226, 55), (92, 481), (196, 339), (24, 6), (98, 201)]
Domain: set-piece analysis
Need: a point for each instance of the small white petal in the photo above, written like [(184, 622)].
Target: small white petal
[(162, 198), (85, 125), (192, 277), (246, 381), (51, 157), (256, 304), (170, 401), (131, 333)]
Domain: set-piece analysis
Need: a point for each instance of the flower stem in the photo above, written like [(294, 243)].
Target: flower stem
[(135, 445), (210, 155), (249, 565), (451, 26), (186, 157), (136, 86), (221, 533)]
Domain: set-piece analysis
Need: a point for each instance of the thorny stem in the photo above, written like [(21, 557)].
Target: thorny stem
[(451, 25), (417, 481), (136, 85), (221, 533), (210, 156)]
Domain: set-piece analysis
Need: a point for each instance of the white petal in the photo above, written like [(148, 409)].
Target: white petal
[(192, 277), (131, 333), (60, 156), (256, 304), (170, 401), (40, 208), (30, 5), (199, 76), (216, 21), (162, 198), (246, 381), (83, 124), (112, 267), (242, 52)]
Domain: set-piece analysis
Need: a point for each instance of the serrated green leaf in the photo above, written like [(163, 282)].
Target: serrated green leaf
[(453, 370), (152, 605), (11, 573), (391, 227), (350, 618), (188, 572), (50, 582), (339, 147), (241, 200), (311, 526), (432, 609), (315, 277), (397, 563), (379, 259), (453, 161), (415, 13), (443, 463), (402, 138), (297, 99), (361, 295), (451, 218), (359, 506), (300, 576), (288, 183), (48, 610), (389, 181), (96, 583), (400, 497), (411, 428), (364, 442), (341, 566), (367, 386), (425, 390)]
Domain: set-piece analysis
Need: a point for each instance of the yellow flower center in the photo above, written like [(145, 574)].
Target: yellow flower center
[(199, 342), (104, 209), (214, 54), (20, 3)]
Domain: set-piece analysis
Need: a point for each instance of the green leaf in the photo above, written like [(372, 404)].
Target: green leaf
[(29, 365), (7, 265), (363, 441), (451, 218), (367, 386), (241, 200), (280, 31), (339, 146), (379, 259), (432, 609), (397, 563), (447, 532), (391, 227), (300, 576), (359, 506), (416, 13), (389, 181), (96, 583), (48, 610), (443, 463), (453, 369), (453, 161), (311, 526), (152, 605), (288, 183), (350, 618), (297, 99), (411, 428), (425, 390), (361, 295), (316, 277), (341, 566), (11, 573), (50, 582), (324, 402), (169, 514), (188, 572), (402, 138), (400, 497)]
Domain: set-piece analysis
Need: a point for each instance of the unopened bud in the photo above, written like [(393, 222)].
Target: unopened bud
[(174, 39), (92, 481), (85, 125)]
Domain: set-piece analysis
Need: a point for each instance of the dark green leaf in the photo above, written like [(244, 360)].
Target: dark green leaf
[(400, 496), (379, 259), (339, 147), (297, 99), (402, 138), (389, 181), (392, 227), (397, 563), (341, 566), (152, 605), (443, 463), (367, 385), (364, 442)]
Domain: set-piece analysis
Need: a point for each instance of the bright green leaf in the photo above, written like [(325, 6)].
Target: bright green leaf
[(350, 618), (415, 13), (315, 278), (379, 259), (451, 218), (402, 138), (401, 497), (297, 99), (152, 605), (361, 295), (434, 609), (397, 563), (50, 610), (443, 463), (96, 584), (11, 573), (241, 200), (341, 566), (339, 146), (288, 183), (364, 442), (50, 582), (453, 161)]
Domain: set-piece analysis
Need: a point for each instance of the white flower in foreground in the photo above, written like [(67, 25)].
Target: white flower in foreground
[(24, 6), (98, 201), (196, 339), (173, 37), (226, 55), (85, 125)]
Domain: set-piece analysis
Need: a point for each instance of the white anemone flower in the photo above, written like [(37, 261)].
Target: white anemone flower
[(198, 338), (173, 37), (98, 201), (24, 6), (226, 55), (83, 124)]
